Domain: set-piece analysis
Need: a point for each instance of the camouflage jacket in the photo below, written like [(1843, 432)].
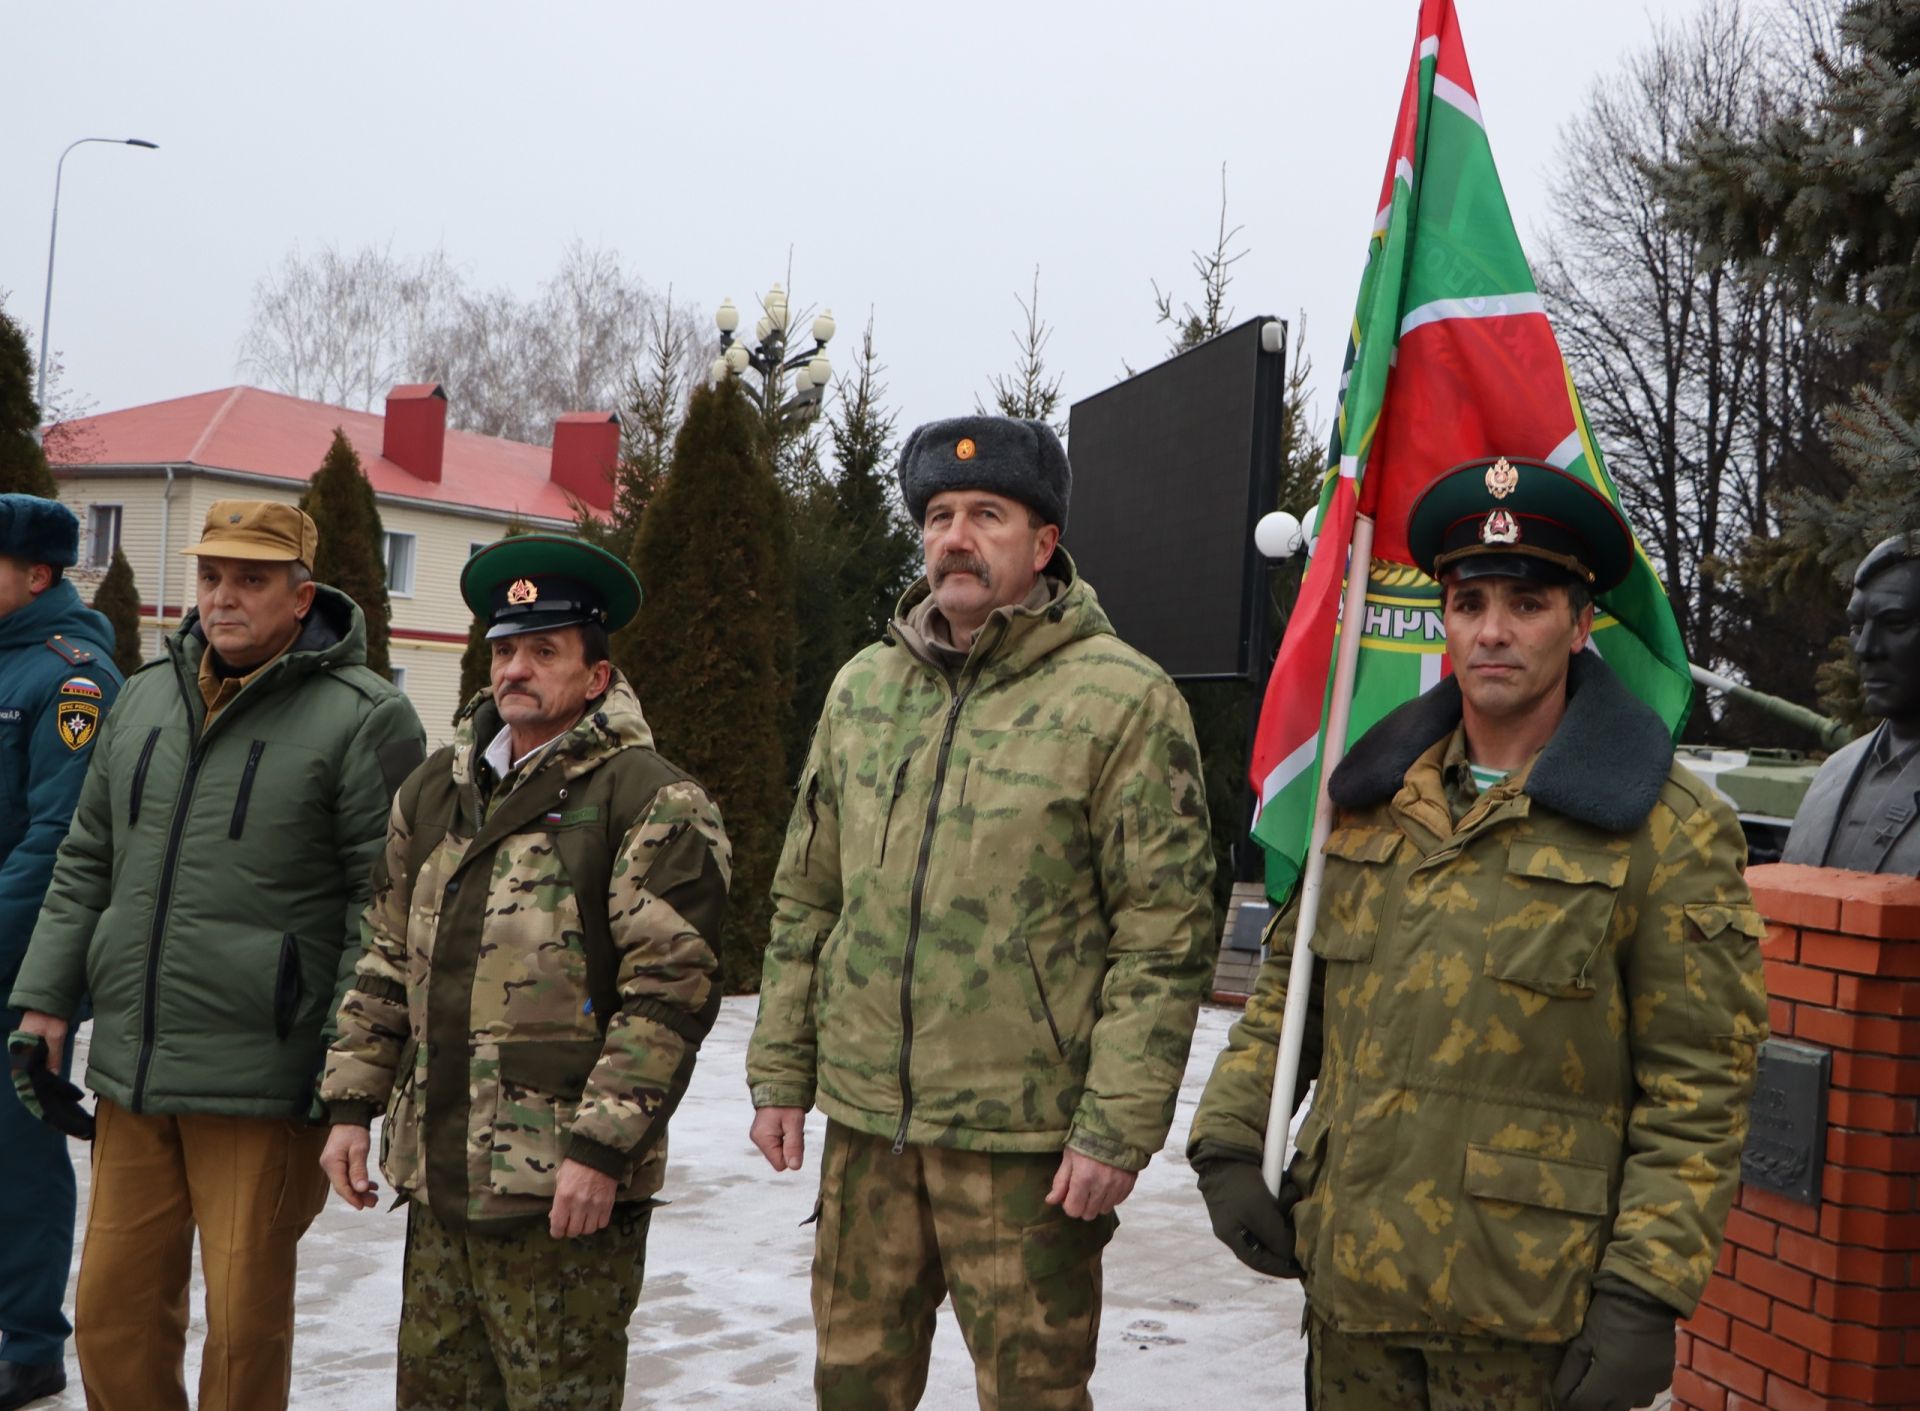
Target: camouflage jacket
[(993, 913), (1534, 1029), (471, 1018)]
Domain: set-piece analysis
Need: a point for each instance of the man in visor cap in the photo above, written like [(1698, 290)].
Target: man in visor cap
[(1536, 1003), (542, 963)]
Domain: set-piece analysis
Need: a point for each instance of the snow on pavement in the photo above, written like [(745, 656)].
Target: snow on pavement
[(724, 1322)]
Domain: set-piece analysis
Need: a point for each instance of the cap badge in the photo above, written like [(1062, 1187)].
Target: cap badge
[(1502, 479), (966, 449), (233, 519), (522, 592), (1499, 527)]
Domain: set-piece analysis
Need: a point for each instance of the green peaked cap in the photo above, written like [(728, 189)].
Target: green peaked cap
[(531, 582), (1499, 514)]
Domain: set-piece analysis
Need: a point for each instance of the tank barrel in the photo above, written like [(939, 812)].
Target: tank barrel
[(1831, 733)]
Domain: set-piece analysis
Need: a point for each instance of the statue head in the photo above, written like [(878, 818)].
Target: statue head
[(1883, 624)]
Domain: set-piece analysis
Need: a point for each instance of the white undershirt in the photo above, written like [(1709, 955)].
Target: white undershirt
[(500, 749)]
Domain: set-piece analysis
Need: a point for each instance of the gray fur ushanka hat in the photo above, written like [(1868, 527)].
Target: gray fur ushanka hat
[(39, 531), (1020, 459)]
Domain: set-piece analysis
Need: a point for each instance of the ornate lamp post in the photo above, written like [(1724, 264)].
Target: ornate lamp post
[(46, 309), (768, 356)]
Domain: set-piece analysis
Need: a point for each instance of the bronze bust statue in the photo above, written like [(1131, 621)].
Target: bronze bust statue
[(1863, 811)]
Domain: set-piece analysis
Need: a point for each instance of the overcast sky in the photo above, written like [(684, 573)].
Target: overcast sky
[(919, 160)]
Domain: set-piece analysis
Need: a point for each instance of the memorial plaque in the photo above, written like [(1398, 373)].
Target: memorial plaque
[(1249, 925), (1787, 1121)]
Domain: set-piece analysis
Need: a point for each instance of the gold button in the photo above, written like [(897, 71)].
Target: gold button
[(965, 450)]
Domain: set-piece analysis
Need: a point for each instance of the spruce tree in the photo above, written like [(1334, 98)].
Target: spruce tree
[(118, 600), (884, 545), (23, 464), (716, 563), (350, 557)]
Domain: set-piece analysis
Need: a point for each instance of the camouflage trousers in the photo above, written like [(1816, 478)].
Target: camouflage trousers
[(898, 1233), (1349, 1372), (515, 1320)]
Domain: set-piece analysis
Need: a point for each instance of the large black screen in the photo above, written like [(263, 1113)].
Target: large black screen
[(1171, 469)]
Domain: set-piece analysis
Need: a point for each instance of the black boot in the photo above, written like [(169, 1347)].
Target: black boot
[(21, 1385)]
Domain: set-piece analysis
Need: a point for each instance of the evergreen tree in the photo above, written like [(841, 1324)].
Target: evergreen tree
[(118, 600), (476, 662), (350, 557), (715, 557), (884, 545), (23, 465), (1029, 391)]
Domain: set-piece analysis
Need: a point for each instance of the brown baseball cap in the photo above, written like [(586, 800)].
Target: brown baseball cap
[(258, 529)]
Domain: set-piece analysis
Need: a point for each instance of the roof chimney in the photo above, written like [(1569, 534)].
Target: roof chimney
[(416, 429), (586, 448)]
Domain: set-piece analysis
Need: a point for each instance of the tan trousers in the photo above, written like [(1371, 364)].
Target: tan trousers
[(250, 1186), (899, 1233)]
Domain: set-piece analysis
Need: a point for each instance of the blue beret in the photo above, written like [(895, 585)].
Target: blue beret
[(1020, 459), (39, 531)]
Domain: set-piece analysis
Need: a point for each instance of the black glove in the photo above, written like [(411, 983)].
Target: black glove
[(44, 1092), (1622, 1357), (1252, 1222)]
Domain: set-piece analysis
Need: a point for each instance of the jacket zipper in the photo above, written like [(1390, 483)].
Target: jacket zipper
[(919, 896), (246, 789), (168, 865), (140, 776), (813, 820)]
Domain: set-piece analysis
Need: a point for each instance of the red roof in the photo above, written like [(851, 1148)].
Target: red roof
[(270, 433)]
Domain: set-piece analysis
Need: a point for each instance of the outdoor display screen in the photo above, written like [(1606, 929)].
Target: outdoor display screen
[(1171, 469)]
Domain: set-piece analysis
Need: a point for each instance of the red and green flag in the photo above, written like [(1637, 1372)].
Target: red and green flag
[(1450, 357)]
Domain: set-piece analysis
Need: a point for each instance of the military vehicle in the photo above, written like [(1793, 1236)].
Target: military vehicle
[(1764, 786)]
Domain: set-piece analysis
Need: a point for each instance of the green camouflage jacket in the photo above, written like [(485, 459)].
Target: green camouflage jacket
[(993, 913), (471, 1018), (1534, 1029)]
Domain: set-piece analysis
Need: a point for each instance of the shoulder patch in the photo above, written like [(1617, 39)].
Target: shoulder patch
[(81, 686), (67, 651), (77, 721)]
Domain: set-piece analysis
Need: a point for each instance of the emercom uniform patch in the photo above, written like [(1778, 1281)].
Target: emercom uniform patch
[(78, 722)]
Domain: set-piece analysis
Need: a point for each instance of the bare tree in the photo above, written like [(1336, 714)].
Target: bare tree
[(1191, 326)]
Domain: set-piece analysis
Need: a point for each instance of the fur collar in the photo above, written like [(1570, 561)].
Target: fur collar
[(1604, 766)]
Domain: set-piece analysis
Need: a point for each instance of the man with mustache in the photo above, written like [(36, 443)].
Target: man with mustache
[(542, 965), (209, 897), (1536, 1003), (1862, 809), (993, 927)]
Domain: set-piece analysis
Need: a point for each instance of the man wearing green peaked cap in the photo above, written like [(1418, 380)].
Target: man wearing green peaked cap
[(1535, 1010), (541, 966)]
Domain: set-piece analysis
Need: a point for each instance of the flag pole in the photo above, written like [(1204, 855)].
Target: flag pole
[(1333, 746)]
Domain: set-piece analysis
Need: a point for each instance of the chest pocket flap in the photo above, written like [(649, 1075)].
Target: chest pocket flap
[(1555, 913), (1359, 870)]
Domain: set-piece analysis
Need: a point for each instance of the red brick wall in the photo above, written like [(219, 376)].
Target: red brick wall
[(1819, 1306)]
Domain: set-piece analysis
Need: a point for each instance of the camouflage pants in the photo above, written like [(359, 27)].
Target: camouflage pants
[(899, 1233), (516, 1320), (1346, 1372)]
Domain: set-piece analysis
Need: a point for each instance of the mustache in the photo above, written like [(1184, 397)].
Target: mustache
[(962, 563)]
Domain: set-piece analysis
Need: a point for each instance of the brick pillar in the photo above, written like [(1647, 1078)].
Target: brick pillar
[(1818, 1306)]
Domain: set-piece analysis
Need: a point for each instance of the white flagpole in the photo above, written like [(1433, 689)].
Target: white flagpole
[(1333, 746)]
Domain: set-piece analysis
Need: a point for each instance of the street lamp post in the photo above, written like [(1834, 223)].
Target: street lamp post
[(767, 355), (46, 309)]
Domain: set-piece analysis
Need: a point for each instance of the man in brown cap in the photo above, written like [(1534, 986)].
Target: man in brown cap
[(209, 897)]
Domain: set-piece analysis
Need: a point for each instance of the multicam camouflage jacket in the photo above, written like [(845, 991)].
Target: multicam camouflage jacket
[(471, 1019), (1534, 1026), (993, 914)]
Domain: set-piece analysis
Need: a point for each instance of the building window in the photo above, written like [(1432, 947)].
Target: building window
[(399, 553), (474, 546), (399, 675), (103, 535)]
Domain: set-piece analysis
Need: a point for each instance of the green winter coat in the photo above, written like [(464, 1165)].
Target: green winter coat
[(1534, 1029), (471, 1021), (209, 892), (993, 913)]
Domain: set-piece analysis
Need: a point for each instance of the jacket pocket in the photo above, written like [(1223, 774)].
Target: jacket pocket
[(1309, 1159), (1539, 1220), (140, 776), (289, 987), (1723, 971), (1554, 917), (541, 1081), (810, 791), (1359, 870), (895, 790), (1045, 1010), (400, 1131), (246, 789)]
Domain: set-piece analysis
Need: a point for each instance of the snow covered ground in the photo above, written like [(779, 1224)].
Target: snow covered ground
[(724, 1321)]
